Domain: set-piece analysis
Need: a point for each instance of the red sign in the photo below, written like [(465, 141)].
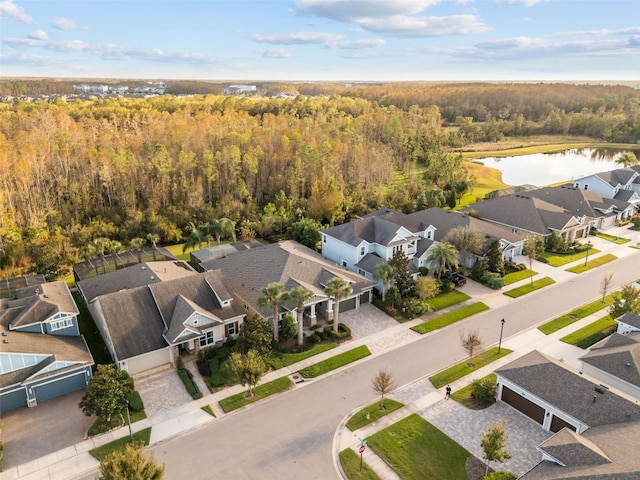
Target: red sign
[(362, 449)]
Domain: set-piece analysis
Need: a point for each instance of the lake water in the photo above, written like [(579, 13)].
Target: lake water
[(542, 169)]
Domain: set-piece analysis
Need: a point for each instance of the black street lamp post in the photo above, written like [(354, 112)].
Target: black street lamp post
[(126, 403), (587, 256), (501, 329)]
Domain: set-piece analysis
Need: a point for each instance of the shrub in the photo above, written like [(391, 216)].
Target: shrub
[(135, 401), (203, 368), (416, 308), (493, 280), (424, 271), (215, 379), (343, 331), (484, 390), (315, 338), (323, 334), (500, 476), (180, 364)]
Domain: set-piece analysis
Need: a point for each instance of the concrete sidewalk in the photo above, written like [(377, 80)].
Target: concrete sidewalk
[(76, 462)]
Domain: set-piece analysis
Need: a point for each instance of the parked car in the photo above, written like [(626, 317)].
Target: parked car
[(455, 277)]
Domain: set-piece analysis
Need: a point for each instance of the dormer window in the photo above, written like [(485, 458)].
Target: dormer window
[(362, 251)]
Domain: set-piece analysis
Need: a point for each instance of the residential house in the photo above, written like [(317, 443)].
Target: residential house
[(590, 420), (292, 265), (621, 184), (147, 326), (197, 257), (43, 355), (526, 214), (363, 243), (627, 323), (604, 212)]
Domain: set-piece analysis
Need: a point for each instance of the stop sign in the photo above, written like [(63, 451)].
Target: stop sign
[(362, 449)]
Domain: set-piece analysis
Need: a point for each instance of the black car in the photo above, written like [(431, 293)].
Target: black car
[(455, 277)]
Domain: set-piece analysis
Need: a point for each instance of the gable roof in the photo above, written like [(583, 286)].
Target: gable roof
[(288, 263), (35, 304), (525, 213), (620, 359), (577, 201), (629, 318), (619, 176), (137, 275), (571, 449), (568, 391), (375, 229)]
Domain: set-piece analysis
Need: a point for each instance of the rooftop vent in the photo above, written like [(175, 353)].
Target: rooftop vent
[(5, 341), (4, 334), (143, 267)]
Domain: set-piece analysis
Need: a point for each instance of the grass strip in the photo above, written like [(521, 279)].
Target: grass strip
[(100, 453), (281, 360), (359, 419), (350, 462), (240, 400), (528, 288), (449, 318), (560, 259), (514, 277), (464, 396), (464, 368), (448, 299), (416, 450), (611, 238), (209, 410), (596, 262), (592, 333), (575, 315), (91, 334), (335, 362)]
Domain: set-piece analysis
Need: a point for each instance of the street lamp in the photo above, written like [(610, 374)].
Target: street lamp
[(501, 329), (126, 404), (588, 248)]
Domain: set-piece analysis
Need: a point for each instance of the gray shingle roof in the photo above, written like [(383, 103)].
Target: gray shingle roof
[(568, 391), (378, 229), (630, 318), (579, 202), (369, 262), (247, 273), (621, 361), (619, 176), (35, 304), (573, 450)]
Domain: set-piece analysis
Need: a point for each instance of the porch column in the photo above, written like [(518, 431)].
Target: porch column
[(357, 302), (330, 309), (312, 314)]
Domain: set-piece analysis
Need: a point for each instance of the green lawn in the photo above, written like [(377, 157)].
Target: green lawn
[(335, 362), (528, 288), (350, 462), (209, 410), (559, 259), (91, 334), (611, 238), (176, 251), (575, 315), (448, 299), (280, 359), (464, 395), (514, 277), (462, 369), (261, 391), (596, 262), (593, 333), (449, 318), (417, 450), (359, 419), (101, 452)]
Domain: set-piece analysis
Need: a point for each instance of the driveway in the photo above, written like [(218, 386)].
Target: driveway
[(161, 389), (31, 433)]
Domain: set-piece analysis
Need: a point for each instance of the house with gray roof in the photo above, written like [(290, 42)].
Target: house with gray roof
[(197, 257), (292, 265), (43, 355), (591, 420), (528, 215), (361, 244), (621, 183), (627, 323), (148, 326)]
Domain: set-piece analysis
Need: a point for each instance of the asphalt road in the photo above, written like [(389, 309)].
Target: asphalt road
[(290, 436)]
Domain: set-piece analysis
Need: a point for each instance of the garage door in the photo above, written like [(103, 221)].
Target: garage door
[(60, 387), (522, 404), (364, 298), (348, 304), (558, 424), (13, 400)]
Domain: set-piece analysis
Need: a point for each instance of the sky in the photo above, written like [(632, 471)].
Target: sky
[(322, 40)]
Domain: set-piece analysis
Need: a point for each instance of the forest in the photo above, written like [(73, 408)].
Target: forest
[(154, 168)]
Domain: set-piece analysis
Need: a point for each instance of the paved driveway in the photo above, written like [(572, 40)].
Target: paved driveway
[(161, 389), (30, 433)]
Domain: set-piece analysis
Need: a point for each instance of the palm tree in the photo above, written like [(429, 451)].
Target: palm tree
[(337, 289), (444, 255), (383, 272), (222, 227), (195, 238), (627, 159), (154, 238), (299, 296), (101, 246), (137, 243), (271, 297), (466, 239)]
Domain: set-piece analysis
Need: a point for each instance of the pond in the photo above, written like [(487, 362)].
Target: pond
[(543, 169)]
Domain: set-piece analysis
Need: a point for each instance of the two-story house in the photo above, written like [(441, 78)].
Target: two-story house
[(621, 184), (42, 355)]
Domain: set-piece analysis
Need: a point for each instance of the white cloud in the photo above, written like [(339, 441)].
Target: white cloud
[(38, 35), (604, 32), (30, 60), (62, 23), (301, 38), (524, 3), (8, 9), (405, 26), (352, 10), (358, 44), (274, 53)]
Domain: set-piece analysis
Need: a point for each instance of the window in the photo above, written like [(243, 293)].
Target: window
[(344, 263), (362, 251), (232, 328), (361, 272), (207, 339), (429, 235), (60, 324), (586, 187), (324, 239)]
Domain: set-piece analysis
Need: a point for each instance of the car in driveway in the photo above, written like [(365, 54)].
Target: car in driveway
[(458, 279)]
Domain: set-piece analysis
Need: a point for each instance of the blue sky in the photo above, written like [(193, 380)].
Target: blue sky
[(335, 40)]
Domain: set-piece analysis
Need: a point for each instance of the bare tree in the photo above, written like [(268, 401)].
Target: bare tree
[(471, 342), (606, 283), (382, 383)]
